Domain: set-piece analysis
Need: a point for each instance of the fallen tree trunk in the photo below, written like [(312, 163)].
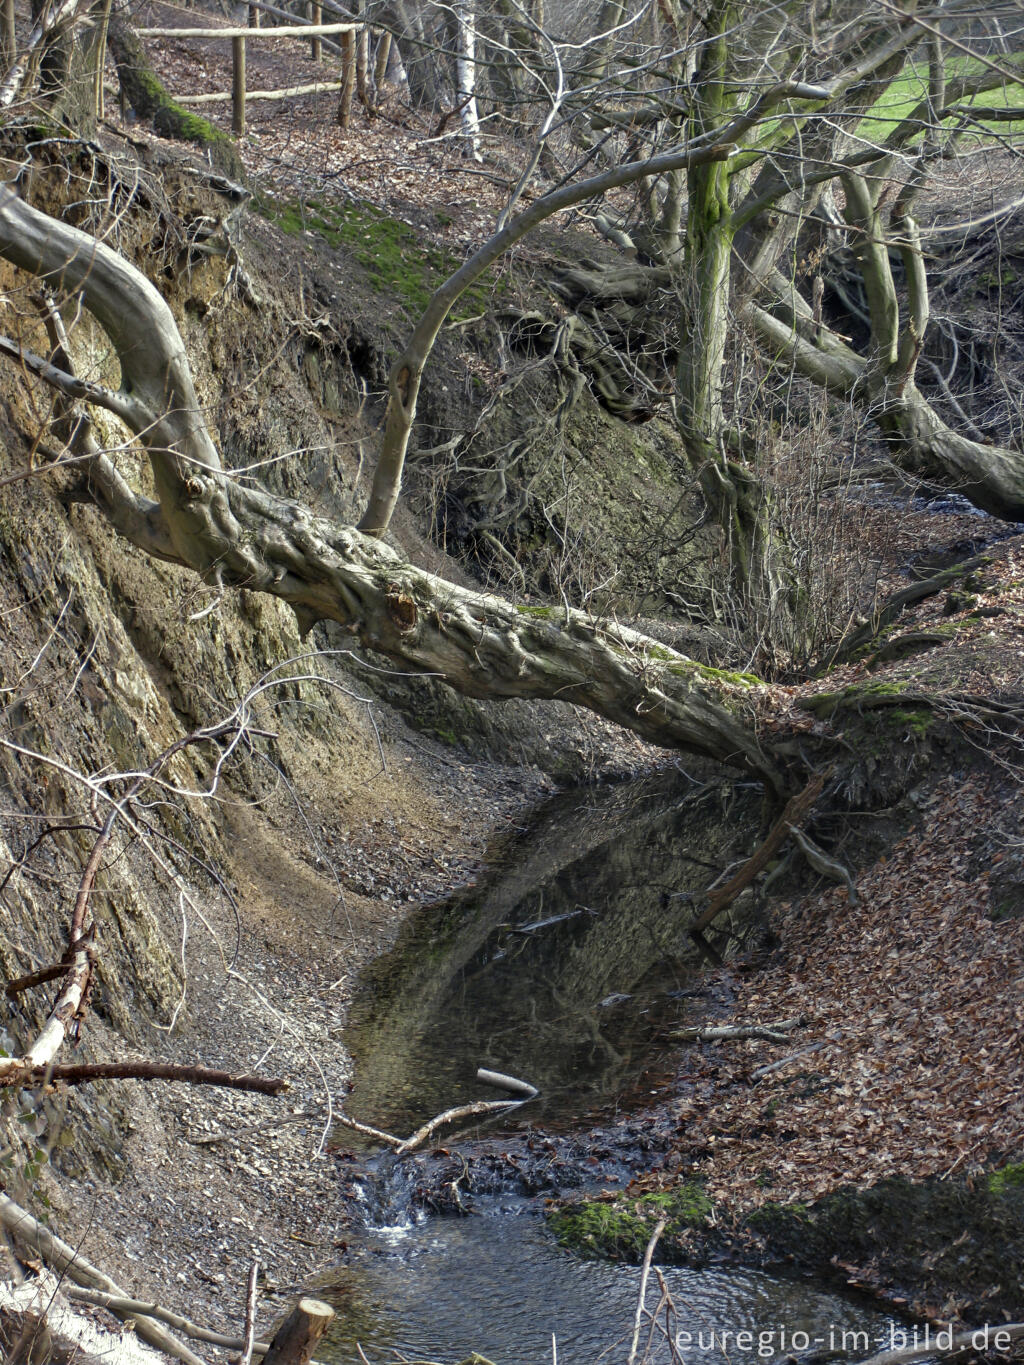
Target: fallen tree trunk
[(65, 1258)]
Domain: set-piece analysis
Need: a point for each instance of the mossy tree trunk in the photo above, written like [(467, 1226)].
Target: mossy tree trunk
[(148, 98), (735, 496)]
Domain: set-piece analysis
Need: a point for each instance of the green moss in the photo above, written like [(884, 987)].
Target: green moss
[(720, 675), (1009, 1177), (190, 127), (771, 1216), (622, 1228), (825, 703), (395, 261), (916, 722), (544, 612), (171, 119)]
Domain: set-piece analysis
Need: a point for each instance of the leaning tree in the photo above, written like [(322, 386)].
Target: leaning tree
[(838, 118), (831, 122)]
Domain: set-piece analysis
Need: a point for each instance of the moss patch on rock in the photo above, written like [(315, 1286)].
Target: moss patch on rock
[(955, 1245)]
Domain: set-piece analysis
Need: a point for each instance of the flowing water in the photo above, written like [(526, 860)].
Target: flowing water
[(568, 965)]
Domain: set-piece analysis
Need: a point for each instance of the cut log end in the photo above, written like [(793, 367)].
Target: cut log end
[(296, 1339)]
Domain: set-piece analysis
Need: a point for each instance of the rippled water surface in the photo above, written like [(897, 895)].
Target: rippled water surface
[(498, 1284)]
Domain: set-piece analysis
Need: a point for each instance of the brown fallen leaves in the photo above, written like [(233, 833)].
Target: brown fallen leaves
[(918, 998)]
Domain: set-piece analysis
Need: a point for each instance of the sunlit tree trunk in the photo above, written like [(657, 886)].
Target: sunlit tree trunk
[(465, 75)]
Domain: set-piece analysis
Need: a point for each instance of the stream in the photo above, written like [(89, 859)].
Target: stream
[(568, 965)]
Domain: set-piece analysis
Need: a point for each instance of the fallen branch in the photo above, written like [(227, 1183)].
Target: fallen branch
[(15, 1070), (976, 1340), (126, 1308), (39, 1323), (80, 1074), (250, 1315), (464, 1111), (785, 1061), (58, 1253), (721, 1033), (503, 1082), (39, 978), (388, 1139), (796, 810), (403, 1146), (821, 862)]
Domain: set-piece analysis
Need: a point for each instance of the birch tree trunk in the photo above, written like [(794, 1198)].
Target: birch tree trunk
[(465, 75)]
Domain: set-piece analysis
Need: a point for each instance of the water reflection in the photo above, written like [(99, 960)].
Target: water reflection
[(561, 967)]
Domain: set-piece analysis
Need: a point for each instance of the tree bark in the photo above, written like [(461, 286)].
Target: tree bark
[(465, 75), (146, 94), (297, 1338), (919, 441)]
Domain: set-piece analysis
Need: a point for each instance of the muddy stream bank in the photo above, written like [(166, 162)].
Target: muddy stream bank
[(568, 965)]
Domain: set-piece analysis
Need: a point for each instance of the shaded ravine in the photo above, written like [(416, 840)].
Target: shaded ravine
[(567, 965), (563, 966)]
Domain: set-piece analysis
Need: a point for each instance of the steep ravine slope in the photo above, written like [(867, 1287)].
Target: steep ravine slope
[(228, 926)]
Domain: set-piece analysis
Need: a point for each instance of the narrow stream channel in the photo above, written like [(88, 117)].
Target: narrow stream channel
[(568, 965)]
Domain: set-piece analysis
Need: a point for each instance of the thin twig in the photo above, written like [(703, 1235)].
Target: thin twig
[(644, 1275), (250, 1315)]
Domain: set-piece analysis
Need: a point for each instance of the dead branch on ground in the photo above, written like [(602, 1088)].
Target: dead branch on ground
[(403, 1146), (727, 1033), (80, 1074), (796, 810), (22, 1226)]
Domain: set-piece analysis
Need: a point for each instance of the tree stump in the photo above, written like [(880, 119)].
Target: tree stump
[(296, 1339)]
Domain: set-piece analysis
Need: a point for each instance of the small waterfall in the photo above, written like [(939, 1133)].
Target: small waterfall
[(386, 1195)]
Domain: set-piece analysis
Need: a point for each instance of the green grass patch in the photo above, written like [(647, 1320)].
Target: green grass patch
[(1009, 1177), (906, 92)]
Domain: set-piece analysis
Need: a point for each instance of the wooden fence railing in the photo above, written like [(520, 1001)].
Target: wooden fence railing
[(239, 37)]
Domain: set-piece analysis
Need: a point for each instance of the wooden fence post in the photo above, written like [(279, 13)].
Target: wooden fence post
[(348, 79), (10, 50), (238, 86), (316, 14)]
